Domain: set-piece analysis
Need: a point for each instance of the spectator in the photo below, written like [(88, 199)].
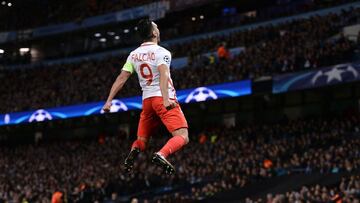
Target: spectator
[(223, 52), (57, 197)]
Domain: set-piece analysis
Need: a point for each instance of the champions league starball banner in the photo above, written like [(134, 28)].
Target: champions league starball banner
[(199, 94), (341, 73)]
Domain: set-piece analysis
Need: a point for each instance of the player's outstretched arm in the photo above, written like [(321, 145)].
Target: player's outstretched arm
[(116, 87), (164, 86)]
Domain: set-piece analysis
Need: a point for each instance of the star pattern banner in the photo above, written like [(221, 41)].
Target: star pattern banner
[(200, 94), (341, 73)]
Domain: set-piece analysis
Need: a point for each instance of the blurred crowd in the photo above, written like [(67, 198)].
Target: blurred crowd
[(35, 13), (294, 46), (178, 24), (185, 24), (347, 191), (217, 160), (299, 36)]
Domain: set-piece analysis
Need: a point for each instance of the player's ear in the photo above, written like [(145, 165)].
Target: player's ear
[(154, 33)]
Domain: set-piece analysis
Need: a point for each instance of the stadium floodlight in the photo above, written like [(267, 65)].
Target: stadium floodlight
[(117, 37), (97, 35), (111, 33), (3, 3), (102, 39), (201, 17), (2, 51), (193, 18), (24, 50), (9, 4), (126, 31)]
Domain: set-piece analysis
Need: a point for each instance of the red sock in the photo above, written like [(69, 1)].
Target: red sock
[(138, 144), (174, 144)]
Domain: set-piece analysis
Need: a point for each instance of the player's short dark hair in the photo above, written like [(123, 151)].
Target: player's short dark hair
[(145, 29)]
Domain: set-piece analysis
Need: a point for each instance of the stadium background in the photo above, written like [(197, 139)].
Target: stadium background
[(270, 90)]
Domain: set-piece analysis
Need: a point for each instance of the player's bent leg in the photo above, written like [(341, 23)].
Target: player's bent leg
[(138, 146), (179, 139), (183, 132), (175, 122), (148, 123)]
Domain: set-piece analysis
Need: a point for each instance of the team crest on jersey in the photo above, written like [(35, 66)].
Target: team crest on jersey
[(167, 59)]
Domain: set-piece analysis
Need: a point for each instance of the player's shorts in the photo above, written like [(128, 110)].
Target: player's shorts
[(154, 112)]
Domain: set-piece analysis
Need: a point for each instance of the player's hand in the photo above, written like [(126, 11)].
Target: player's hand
[(169, 104), (106, 107)]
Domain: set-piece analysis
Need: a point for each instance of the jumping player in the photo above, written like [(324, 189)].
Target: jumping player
[(151, 62)]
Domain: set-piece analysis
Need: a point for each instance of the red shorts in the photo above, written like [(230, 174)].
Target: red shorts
[(154, 112)]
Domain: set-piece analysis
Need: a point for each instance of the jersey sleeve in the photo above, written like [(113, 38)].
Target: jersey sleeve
[(163, 57), (128, 66)]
